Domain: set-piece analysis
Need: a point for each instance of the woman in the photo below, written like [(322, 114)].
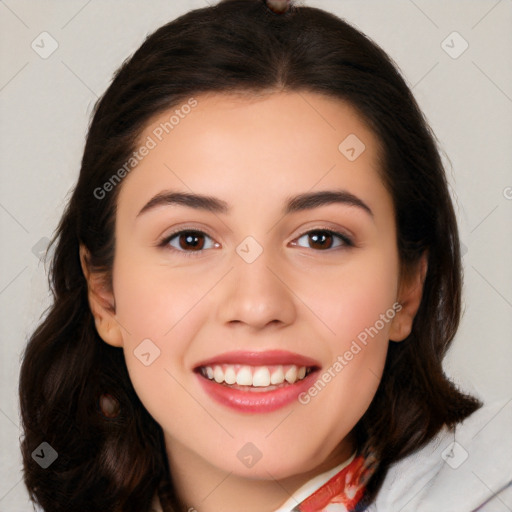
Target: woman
[(256, 280)]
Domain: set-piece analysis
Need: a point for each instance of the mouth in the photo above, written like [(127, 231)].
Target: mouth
[(255, 378), (256, 381)]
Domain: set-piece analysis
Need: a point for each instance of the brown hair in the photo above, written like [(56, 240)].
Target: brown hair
[(117, 462)]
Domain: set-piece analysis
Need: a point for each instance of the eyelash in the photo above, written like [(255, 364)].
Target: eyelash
[(346, 241)]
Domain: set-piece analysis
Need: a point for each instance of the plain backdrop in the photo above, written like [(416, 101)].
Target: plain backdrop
[(462, 81)]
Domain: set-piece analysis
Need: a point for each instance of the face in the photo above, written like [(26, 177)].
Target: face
[(255, 318)]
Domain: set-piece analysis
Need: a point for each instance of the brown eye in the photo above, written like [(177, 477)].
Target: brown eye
[(324, 239), (189, 241), (321, 239)]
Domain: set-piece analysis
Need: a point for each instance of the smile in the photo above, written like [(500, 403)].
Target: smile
[(256, 381), (255, 376)]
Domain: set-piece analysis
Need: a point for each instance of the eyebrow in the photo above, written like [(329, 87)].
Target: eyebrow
[(301, 202), (312, 200)]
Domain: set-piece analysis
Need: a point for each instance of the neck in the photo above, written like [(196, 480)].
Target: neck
[(207, 488)]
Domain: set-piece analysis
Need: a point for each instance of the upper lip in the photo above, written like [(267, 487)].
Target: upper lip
[(259, 358)]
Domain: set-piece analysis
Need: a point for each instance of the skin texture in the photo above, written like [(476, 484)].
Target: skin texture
[(254, 153)]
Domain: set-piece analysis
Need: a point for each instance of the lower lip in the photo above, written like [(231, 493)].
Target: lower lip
[(257, 401)]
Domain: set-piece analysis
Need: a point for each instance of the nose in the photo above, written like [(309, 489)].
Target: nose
[(257, 294)]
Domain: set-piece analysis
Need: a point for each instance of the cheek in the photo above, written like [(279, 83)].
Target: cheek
[(357, 302), (350, 298), (347, 384), (150, 300), (156, 317)]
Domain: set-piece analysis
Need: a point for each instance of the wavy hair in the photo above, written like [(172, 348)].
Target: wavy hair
[(117, 462)]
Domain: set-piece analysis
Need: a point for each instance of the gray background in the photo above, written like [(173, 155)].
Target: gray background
[(45, 105)]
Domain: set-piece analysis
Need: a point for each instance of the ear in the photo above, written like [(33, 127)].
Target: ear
[(101, 302), (409, 297)]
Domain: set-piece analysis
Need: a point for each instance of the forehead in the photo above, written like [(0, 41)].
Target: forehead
[(236, 147)]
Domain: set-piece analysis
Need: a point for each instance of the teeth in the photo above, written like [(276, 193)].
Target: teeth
[(244, 376), (291, 375), (261, 377), (230, 375), (277, 376), (256, 376), (218, 374)]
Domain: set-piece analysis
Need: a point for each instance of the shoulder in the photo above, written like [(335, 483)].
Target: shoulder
[(456, 471)]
